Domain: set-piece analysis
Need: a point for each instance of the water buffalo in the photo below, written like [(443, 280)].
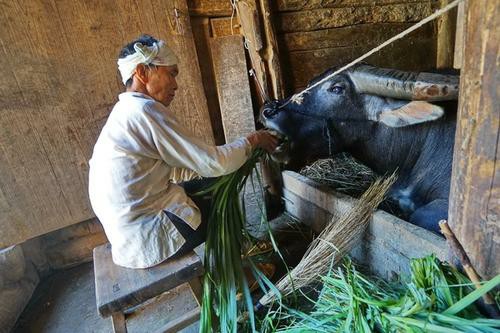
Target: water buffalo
[(383, 118)]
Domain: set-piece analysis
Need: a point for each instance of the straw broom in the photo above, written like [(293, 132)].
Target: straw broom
[(336, 240)]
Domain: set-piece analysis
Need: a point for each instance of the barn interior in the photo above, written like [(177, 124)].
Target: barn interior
[(59, 83)]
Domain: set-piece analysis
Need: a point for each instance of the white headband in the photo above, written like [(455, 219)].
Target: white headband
[(158, 54)]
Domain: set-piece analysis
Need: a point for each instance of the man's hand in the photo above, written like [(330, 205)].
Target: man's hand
[(263, 139)]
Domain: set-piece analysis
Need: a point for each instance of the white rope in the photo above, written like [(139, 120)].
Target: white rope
[(234, 9), (297, 98)]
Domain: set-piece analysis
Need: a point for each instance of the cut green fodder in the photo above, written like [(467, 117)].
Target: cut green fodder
[(225, 289), (436, 299)]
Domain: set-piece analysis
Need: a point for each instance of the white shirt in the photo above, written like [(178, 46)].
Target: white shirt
[(141, 153)]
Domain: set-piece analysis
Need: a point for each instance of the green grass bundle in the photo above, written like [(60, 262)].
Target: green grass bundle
[(224, 277), (437, 299)]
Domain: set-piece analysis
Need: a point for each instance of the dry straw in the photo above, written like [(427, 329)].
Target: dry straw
[(335, 241), (343, 173)]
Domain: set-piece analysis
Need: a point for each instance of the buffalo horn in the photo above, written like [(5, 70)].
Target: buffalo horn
[(405, 85)]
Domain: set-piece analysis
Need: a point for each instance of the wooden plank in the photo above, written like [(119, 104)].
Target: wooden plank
[(271, 177), (271, 52), (446, 26), (357, 35), (156, 313), (296, 5), (210, 8), (235, 103), (201, 33), (316, 19), (383, 251), (401, 54), (57, 93), (308, 212), (221, 26), (119, 288), (233, 86), (262, 48), (320, 206), (216, 8), (475, 185), (459, 37), (119, 323), (190, 100), (251, 29), (196, 286), (181, 322)]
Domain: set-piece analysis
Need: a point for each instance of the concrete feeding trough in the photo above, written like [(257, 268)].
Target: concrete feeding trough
[(389, 242)]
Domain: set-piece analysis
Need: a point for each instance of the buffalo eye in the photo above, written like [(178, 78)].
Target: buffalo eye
[(336, 89)]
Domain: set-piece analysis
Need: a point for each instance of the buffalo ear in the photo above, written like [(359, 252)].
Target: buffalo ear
[(415, 112)]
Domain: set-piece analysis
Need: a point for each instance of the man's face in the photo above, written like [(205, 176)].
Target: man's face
[(161, 83)]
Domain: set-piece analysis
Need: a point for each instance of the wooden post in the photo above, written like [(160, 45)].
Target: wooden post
[(119, 323), (459, 36), (271, 53), (446, 26), (263, 52), (250, 27), (475, 184)]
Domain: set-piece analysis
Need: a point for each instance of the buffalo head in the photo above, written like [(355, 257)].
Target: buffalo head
[(346, 109)]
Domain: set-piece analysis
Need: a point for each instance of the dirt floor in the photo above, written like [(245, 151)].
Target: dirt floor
[(65, 302)]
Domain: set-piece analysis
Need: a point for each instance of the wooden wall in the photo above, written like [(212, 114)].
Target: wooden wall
[(315, 35), (58, 80), (58, 83)]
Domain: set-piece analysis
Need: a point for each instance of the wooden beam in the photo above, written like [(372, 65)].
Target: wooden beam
[(210, 8), (350, 36), (181, 322), (271, 53), (474, 212), (297, 5), (446, 26), (459, 37), (251, 29), (119, 322), (325, 18), (402, 55), (263, 52), (201, 34), (225, 26)]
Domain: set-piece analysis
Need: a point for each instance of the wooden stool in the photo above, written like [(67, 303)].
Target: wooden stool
[(119, 289)]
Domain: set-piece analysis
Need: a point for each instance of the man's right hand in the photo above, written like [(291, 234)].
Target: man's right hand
[(263, 139)]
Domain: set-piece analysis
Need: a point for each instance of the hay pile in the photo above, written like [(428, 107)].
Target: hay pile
[(343, 173)]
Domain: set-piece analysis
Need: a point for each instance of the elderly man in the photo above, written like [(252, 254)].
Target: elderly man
[(141, 156)]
